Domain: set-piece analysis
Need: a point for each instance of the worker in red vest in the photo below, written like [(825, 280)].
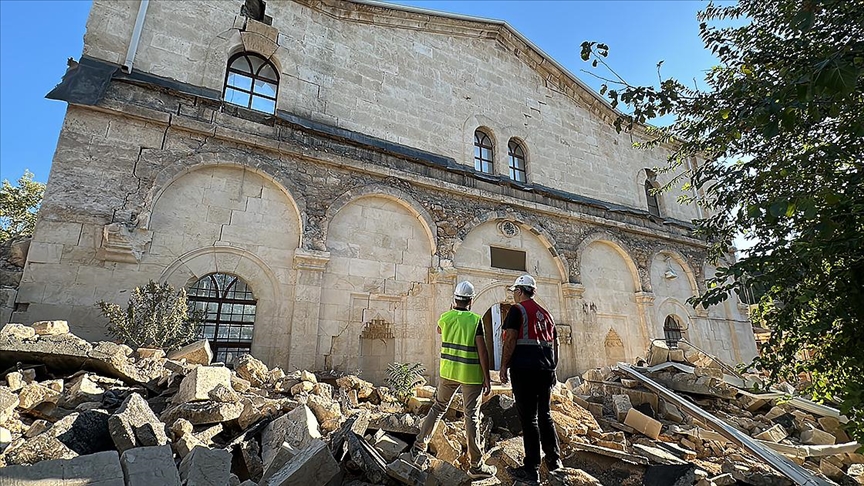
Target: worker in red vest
[(529, 358), (465, 365)]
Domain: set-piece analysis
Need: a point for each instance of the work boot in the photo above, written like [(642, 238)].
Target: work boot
[(525, 475), (482, 471), (554, 465)]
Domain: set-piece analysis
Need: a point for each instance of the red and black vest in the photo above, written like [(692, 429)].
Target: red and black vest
[(538, 328)]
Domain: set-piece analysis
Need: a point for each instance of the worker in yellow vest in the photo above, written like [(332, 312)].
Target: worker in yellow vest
[(465, 364)]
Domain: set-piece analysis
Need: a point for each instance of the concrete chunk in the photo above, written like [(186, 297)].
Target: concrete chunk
[(312, 465), (643, 423), (81, 389), (41, 448), (50, 328), (102, 469), (621, 405), (134, 424), (149, 466), (8, 402), (202, 413), (34, 394), (18, 331), (198, 352), (197, 385), (206, 467), (251, 370), (298, 428)]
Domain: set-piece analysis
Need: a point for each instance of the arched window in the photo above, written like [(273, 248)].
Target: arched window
[(516, 161), (482, 152), (251, 82), (672, 331), (229, 314), (653, 203)]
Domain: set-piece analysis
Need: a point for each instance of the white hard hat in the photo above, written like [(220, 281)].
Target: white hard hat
[(464, 289), (524, 281)]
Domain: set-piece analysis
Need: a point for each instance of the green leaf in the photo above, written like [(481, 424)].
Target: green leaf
[(778, 208)]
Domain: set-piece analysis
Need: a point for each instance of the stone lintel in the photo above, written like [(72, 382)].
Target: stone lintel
[(311, 259), (573, 290), (645, 298)]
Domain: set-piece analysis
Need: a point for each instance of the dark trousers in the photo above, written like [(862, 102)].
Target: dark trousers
[(532, 390)]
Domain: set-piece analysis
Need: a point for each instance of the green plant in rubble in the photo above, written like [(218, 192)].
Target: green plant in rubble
[(157, 316), (403, 377)]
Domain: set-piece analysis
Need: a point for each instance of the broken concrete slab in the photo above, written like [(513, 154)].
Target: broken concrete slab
[(311, 465), (298, 428), (656, 454), (148, 466), (205, 467), (102, 469), (197, 385), (135, 425), (198, 352)]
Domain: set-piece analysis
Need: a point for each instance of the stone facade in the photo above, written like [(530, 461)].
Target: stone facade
[(354, 209)]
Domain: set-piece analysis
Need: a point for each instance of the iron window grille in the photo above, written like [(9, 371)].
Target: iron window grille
[(516, 162), (482, 152), (228, 306), (251, 82), (672, 332)]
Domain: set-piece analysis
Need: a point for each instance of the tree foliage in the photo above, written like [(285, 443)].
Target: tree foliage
[(779, 133), (403, 377), (18, 207), (157, 317)]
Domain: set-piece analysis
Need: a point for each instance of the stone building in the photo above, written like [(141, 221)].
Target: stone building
[(320, 173)]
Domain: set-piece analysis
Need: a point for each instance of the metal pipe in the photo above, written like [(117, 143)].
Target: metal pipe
[(136, 37), (796, 473)]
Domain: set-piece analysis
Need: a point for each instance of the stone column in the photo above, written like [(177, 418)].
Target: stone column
[(310, 266), (645, 304), (573, 358), (443, 280)]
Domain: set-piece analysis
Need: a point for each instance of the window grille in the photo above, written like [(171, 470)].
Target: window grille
[(653, 203), (516, 161), (251, 82), (672, 332), (228, 306), (482, 152)]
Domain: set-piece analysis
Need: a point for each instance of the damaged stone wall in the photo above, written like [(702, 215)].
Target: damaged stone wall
[(332, 228)]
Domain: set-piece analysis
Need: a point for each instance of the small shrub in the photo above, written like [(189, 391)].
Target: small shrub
[(157, 317), (403, 377)]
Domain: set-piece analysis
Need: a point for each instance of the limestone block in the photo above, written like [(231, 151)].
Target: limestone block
[(198, 384), (202, 413), (34, 394), (82, 389), (198, 352), (206, 467), (420, 406), (302, 387), (424, 391), (8, 402), (817, 437), (36, 428), (446, 473), (18, 331), (43, 447), (643, 423), (239, 384), (148, 466), (15, 380), (323, 390), (774, 434), (442, 446), (282, 457), (51, 328), (597, 374), (390, 447), (134, 424), (250, 453), (144, 353), (830, 470), (5, 438), (224, 394), (323, 408), (298, 428), (102, 469), (311, 465), (181, 428), (251, 370), (308, 376), (621, 405), (856, 472), (568, 476), (774, 413), (186, 444), (206, 435), (260, 28)]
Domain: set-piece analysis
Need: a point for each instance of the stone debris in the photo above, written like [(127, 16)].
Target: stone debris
[(149, 417)]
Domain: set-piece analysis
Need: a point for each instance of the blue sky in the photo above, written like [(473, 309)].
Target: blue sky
[(33, 55)]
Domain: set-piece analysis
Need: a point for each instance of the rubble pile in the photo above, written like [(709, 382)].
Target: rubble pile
[(103, 413)]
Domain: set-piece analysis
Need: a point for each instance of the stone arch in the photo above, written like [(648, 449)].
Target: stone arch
[(496, 293), (680, 260), (230, 42), (643, 175), (526, 149), (387, 192), (270, 340), (544, 236), (487, 125), (620, 247), (182, 167)]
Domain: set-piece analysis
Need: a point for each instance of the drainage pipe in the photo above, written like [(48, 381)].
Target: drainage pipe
[(136, 37)]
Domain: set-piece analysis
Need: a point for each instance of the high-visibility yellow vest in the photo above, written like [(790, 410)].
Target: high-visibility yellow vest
[(459, 359)]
